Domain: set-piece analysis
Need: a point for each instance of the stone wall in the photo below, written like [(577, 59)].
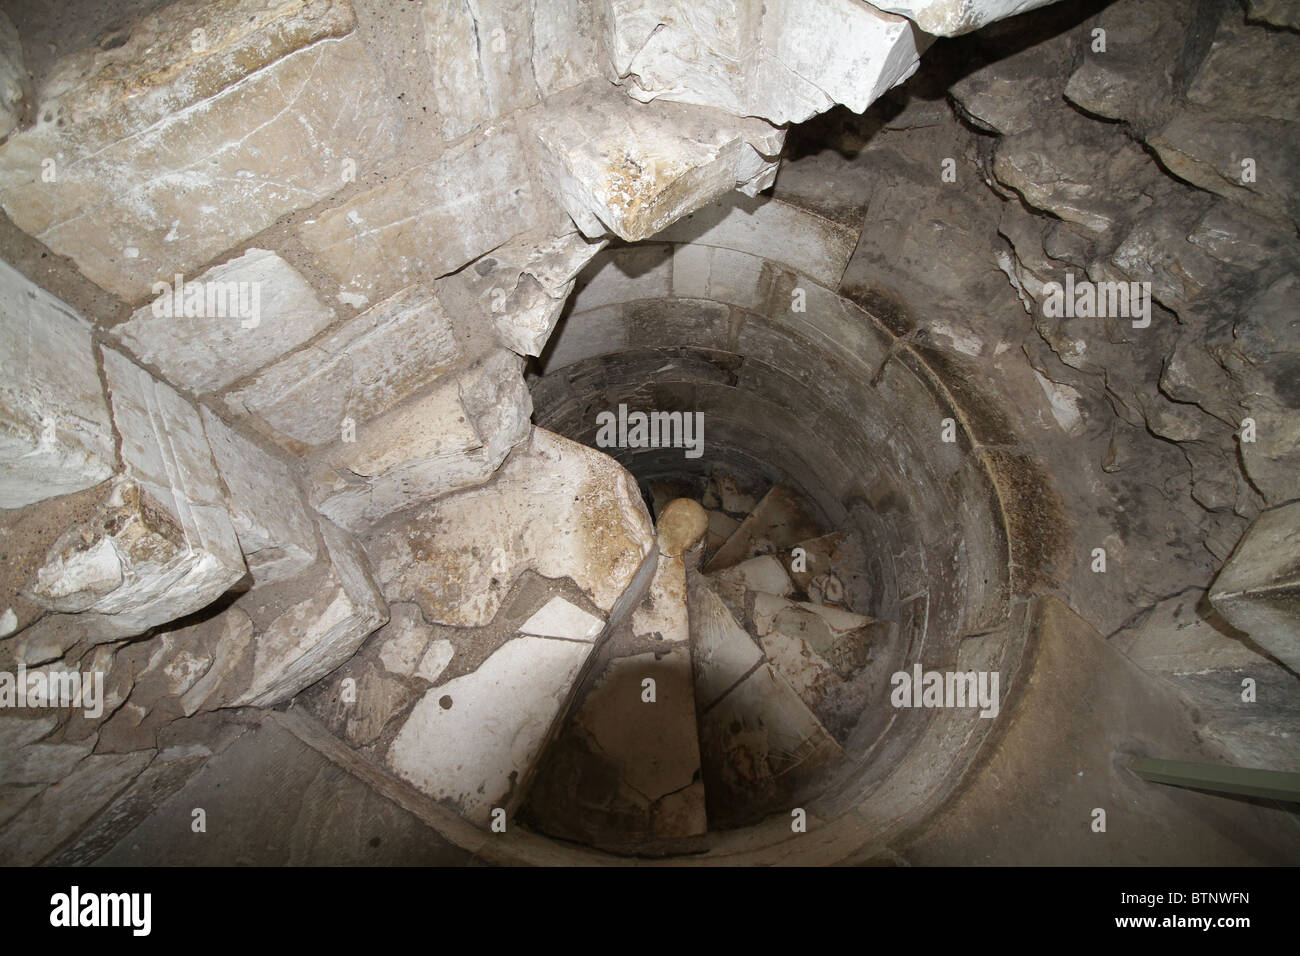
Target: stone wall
[(273, 273)]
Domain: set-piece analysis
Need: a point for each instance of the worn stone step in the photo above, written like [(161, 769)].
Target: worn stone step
[(778, 522), (624, 773), (831, 570), (760, 744), (521, 627)]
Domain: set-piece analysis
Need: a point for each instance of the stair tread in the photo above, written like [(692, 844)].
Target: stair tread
[(624, 772), (758, 738), (777, 522)]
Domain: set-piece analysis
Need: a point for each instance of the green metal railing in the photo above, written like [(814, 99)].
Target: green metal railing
[(1269, 784)]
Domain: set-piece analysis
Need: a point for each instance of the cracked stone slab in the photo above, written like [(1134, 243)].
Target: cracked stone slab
[(624, 772), (451, 438), (764, 573), (473, 740), (260, 307), (169, 148), (55, 436), (560, 618), (556, 507), (617, 167), (275, 530), (758, 746), (358, 371)]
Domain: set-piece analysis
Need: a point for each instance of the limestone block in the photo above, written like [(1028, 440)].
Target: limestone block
[(556, 507), (246, 312), (430, 220), (784, 61), (162, 544), (178, 144), (54, 431), (362, 369), (404, 643), (173, 543), (452, 438), (481, 61), (633, 170), (832, 51), (524, 285), (1258, 590), (226, 639), (773, 230), (275, 529), (474, 739), (701, 53), (296, 645), (568, 44), (947, 18)]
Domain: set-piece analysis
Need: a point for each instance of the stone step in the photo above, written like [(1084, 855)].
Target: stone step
[(760, 744), (830, 570), (778, 522), (624, 773), (521, 625), (820, 650)]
